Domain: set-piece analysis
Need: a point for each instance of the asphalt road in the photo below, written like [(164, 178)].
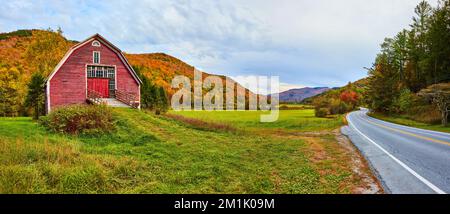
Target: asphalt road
[(406, 160)]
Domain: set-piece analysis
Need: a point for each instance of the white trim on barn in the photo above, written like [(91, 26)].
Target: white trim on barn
[(93, 57), (96, 43)]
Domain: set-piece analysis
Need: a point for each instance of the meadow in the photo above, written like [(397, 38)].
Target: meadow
[(288, 121), (159, 154)]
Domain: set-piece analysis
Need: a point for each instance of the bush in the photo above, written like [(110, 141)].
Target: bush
[(403, 102), (80, 119), (321, 112)]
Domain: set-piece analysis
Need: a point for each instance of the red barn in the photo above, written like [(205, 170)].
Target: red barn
[(93, 71)]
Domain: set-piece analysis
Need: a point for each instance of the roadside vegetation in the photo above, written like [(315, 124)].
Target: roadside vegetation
[(405, 120), (410, 78), (338, 101), (147, 153)]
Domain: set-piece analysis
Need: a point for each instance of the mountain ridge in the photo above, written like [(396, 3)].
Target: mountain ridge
[(297, 95)]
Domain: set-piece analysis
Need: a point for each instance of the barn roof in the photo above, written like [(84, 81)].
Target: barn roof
[(109, 44)]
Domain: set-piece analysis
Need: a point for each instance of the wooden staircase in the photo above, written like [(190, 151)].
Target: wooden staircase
[(121, 100)]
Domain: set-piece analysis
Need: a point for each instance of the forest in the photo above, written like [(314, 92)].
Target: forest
[(411, 74)]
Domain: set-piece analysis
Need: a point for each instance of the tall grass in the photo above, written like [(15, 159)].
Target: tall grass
[(153, 154)]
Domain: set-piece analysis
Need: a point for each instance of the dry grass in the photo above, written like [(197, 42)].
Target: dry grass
[(202, 125)]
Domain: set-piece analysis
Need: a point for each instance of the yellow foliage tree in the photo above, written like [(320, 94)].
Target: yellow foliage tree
[(11, 92)]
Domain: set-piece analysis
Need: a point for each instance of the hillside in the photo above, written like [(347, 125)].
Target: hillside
[(24, 52), (358, 86), (298, 95), (27, 50)]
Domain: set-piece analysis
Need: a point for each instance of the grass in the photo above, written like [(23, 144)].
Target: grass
[(157, 154), (289, 120), (402, 120)]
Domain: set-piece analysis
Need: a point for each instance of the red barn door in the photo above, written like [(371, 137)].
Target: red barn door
[(100, 86)]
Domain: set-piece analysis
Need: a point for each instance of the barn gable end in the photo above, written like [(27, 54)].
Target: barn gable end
[(68, 83)]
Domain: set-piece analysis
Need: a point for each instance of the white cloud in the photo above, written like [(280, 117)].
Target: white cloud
[(305, 42)]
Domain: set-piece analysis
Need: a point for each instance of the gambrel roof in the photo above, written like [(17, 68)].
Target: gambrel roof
[(91, 39)]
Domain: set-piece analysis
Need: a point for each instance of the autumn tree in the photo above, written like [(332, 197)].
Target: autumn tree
[(350, 97), (46, 50), (10, 92)]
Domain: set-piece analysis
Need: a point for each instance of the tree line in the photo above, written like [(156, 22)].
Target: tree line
[(153, 97), (414, 60)]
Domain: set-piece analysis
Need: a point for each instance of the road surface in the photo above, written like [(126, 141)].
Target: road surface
[(406, 160)]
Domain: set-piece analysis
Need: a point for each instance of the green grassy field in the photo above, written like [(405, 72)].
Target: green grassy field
[(408, 122), (289, 120), (156, 154)]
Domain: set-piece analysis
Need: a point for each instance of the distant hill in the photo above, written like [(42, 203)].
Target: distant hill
[(298, 95), (357, 86)]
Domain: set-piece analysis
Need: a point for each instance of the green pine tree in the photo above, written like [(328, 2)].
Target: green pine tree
[(35, 97)]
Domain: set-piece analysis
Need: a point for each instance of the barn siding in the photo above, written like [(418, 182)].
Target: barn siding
[(68, 85)]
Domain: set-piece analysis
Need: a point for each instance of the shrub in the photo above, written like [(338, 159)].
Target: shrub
[(403, 102), (321, 112), (80, 119)]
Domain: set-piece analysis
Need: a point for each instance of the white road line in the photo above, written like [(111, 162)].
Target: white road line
[(425, 181)]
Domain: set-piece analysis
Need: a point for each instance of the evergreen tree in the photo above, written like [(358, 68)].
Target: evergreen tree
[(383, 85), (35, 97), (163, 102), (439, 45)]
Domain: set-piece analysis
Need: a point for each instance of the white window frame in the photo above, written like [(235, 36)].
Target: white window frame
[(93, 57), (96, 43)]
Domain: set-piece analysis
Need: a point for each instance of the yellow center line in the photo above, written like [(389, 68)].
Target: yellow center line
[(409, 133)]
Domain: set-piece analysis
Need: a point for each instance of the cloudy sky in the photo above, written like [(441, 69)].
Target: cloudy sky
[(305, 42)]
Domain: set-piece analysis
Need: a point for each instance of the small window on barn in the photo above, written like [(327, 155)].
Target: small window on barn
[(96, 43), (96, 57), (111, 73), (99, 72), (90, 72)]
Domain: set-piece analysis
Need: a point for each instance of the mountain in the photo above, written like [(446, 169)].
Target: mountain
[(298, 95)]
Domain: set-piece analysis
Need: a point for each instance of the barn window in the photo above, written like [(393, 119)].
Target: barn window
[(101, 72), (110, 72), (96, 57), (96, 43), (90, 71)]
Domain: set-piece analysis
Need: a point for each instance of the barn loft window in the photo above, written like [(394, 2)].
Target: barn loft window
[(100, 72), (96, 43), (96, 57)]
